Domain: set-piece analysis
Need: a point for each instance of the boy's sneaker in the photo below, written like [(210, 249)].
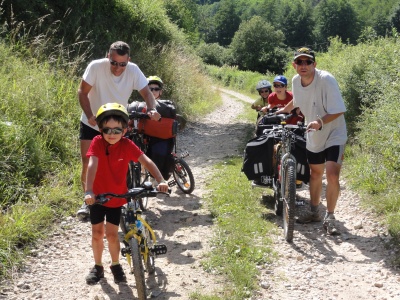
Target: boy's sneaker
[(309, 217), (95, 274), (118, 272), (84, 212), (329, 225)]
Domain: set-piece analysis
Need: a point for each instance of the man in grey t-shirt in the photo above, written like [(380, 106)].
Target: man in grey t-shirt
[(316, 93)]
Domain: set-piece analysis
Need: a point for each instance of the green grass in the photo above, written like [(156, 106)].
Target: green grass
[(241, 240)]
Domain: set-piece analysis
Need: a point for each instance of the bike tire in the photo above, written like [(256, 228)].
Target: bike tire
[(142, 176), (183, 176), (289, 204), (150, 256), (122, 220), (138, 270)]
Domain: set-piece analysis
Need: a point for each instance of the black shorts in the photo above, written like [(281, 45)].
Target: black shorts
[(334, 153), (99, 213), (87, 132)]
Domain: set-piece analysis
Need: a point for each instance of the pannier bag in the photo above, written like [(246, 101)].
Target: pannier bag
[(299, 152), (166, 128), (257, 160)]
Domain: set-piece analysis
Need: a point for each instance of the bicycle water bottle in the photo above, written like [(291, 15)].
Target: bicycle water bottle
[(140, 227)]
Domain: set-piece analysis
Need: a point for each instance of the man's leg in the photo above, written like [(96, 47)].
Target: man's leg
[(83, 211), (333, 187), (317, 171), (85, 144)]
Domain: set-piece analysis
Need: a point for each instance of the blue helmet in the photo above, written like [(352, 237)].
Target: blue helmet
[(281, 79)]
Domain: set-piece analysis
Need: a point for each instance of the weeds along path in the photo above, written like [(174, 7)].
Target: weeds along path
[(58, 267)]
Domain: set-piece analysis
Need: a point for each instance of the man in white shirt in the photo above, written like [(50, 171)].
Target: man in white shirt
[(316, 93), (110, 79)]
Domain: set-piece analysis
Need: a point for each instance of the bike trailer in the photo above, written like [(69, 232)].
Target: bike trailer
[(258, 158)]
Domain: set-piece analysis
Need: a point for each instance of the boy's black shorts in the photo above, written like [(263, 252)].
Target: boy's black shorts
[(334, 153), (99, 212)]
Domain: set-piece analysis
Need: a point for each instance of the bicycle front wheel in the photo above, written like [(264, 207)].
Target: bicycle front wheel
[(149, 257), (137, 268), (289, 203), (183, 176)]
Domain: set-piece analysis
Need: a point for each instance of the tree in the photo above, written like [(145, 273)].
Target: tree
[(297, 23), (258, 46), (335, 18), (184, 14), (226, 22)]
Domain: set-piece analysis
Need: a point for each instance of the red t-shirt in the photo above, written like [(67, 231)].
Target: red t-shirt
[(112, 166), (273, 100)]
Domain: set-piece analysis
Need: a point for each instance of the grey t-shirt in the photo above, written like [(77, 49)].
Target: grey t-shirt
[(319, 98)]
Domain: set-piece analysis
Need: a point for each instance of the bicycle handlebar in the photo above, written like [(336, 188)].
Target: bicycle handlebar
[(138, 115), (147, 190)]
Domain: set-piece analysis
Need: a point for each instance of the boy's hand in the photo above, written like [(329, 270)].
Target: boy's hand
[(163, 187), (89, 198)]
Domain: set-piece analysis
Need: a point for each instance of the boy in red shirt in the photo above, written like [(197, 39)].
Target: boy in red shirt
[(109, 155)]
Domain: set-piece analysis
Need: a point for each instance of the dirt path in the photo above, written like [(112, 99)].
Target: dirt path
[(354, 265)]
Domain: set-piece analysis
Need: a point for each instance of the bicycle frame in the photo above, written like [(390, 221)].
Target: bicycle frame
[(136, 240)]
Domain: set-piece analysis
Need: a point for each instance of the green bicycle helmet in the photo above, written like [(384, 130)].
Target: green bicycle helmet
[(156, 80), (111, 109)]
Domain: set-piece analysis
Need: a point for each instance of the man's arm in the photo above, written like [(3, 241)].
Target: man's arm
[(83, 92)]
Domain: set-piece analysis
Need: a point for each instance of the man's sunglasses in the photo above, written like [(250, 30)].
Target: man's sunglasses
[(279, 86), (115, 130), (115, 63), (155, 89), (302, 62)]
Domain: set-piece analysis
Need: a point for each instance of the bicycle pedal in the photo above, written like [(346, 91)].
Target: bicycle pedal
[(159, 249), (184, 154), (171, 183)]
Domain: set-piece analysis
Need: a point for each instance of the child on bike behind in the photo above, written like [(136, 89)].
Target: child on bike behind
[(159, 150), (280, 97), (109, 155), (264, 90)]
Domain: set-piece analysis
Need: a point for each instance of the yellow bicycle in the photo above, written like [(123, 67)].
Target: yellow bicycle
[(140, 244)]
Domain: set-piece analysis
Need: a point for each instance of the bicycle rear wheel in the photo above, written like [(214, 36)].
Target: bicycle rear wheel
[(289, 203), (137, 268), (183, 176)]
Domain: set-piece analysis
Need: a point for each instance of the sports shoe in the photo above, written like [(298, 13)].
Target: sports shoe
[(84, 212), (309, 217), (95, 274), (329, 225), (118, 272)]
